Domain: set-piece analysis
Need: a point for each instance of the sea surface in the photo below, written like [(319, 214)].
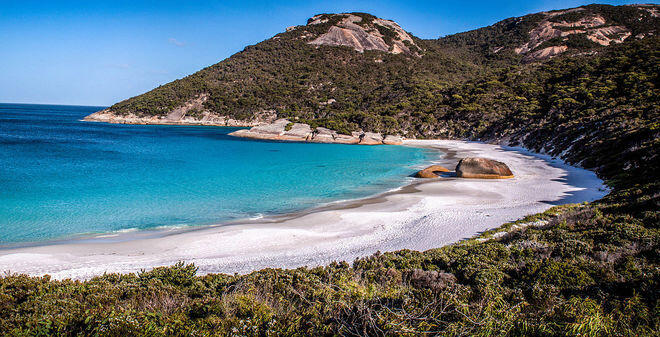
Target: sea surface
[(62, 178)]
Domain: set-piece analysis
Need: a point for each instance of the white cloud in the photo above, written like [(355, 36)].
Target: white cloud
[(176, 42)]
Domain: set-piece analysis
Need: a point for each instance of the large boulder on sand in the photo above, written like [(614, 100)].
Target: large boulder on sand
[(482, 168), (430, 172)]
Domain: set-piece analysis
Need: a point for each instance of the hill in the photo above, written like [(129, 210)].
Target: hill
[(354, 71)]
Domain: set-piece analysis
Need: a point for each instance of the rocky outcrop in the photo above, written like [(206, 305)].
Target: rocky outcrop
[(364, 32), (370, 138), (283, 129), (431, 171), (546, 52), (275, 130), (482, 168), (392, 140), (298, 130), (322, 135), (557, 26), (605, 36)]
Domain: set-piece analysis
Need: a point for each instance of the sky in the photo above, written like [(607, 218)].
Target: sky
[(101, 52)]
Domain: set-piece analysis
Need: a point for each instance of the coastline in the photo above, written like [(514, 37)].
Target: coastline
[(260, 129), (421, 215), (104, 116)]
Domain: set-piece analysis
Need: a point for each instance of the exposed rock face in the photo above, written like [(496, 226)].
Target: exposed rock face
[(652, 9), (370, 138), (190, 113), (323, 135), (283, 129), (344, 139), (354, 31), (299, 130), (392, 140), (593, 26), (482, 168), (430, 172), (547, 52)]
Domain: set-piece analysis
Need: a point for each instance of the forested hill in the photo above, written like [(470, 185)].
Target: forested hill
[(561, 81), (355, 71)]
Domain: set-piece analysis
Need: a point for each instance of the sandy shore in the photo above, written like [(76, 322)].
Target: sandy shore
[(420, 216)]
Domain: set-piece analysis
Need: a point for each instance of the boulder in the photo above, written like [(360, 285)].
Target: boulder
[(323, 135), (482, 168), (392, 140), (275, 128), (298, 131), (346, 139), (370, 138), (429, 172)]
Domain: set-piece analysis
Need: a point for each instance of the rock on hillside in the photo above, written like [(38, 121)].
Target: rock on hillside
[(560, 31), (364, 32), (561, 25), (544, 35)]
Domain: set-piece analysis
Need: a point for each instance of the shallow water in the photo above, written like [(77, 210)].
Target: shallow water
[(60, 177)]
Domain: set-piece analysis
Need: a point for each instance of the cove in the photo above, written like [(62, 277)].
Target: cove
[(61, 177)]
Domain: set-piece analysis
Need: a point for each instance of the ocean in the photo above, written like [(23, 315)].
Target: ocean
[(62, 178)]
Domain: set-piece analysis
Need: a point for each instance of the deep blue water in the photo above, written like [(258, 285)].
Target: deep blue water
[(60, 177)]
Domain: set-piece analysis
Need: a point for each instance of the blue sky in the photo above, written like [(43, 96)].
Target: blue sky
[(100, 52)]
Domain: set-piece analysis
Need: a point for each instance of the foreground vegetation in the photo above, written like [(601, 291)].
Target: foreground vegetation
[(588, 269)]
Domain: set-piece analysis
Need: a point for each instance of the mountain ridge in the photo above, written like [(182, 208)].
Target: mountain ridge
[(247, 89)]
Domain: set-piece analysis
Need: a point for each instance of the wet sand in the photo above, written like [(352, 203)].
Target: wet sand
[(422, 215)]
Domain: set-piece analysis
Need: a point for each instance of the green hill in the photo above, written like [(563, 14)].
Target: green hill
[(293, 75)]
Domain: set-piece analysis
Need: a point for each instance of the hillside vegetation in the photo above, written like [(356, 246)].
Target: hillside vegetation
[(294, 76), (589, 269)]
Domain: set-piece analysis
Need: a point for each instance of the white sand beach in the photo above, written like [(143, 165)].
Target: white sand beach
[(420, 216)]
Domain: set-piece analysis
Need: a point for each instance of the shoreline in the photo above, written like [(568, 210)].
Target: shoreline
[(104, 116), (419, 216), (131, 234), (256, 130), (163, 122)]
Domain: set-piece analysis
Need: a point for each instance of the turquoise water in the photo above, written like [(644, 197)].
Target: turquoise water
[(60, 177)]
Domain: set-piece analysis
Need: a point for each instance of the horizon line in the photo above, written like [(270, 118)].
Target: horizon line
[(57, 104)]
